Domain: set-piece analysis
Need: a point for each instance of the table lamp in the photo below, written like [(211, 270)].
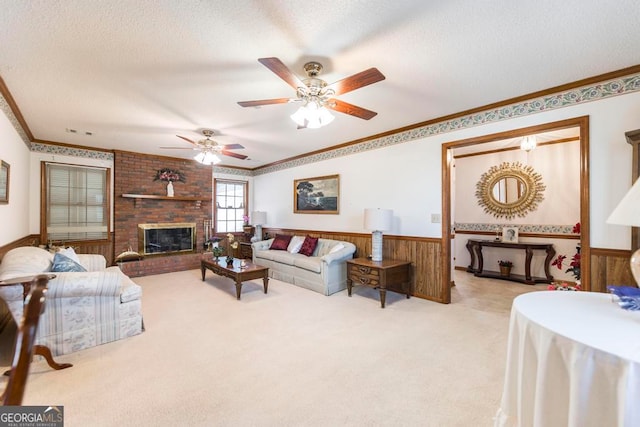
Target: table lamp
[(628, 213), (377, 220), (259, 218)]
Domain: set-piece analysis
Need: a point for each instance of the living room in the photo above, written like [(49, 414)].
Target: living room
[(404, 168)]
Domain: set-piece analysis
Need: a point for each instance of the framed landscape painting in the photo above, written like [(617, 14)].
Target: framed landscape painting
[(319, 195)]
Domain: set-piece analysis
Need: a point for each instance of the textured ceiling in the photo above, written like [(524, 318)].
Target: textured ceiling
[(137, 73)]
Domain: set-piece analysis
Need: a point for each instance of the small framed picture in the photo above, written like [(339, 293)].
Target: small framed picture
[(510, 234), (4, 182)]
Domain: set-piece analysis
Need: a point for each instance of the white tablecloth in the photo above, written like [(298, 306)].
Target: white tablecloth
[(573, 359)]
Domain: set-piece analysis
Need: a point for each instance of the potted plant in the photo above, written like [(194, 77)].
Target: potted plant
[(246, 227), (505, 267)]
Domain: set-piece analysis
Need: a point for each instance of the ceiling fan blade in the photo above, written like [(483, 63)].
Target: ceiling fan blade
[(361, 79), (232, 154), (354, 110), (232, 147), (281, 70), (263, 102), (188, 140)]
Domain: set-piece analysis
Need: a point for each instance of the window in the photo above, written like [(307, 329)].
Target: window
[(76, 202), (231, 205)]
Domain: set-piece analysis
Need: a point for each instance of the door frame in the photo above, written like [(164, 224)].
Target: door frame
[(582, 123)]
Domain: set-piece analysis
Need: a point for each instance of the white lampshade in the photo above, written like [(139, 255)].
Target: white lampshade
[(259, 218), (628, 213), (628, 210), (376, 219)]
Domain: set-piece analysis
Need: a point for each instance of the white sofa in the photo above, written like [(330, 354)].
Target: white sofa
[(324, 271), (82, 309)]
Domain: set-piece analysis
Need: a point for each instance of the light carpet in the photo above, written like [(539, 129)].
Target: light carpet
[(291, 357)]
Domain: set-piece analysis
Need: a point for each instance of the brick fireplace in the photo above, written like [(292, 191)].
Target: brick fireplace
[(145, 201)]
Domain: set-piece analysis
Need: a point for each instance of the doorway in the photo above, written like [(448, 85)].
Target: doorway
[(487, 143)]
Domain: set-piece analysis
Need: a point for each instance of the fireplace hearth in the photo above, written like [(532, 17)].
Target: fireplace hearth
[(166, 238)]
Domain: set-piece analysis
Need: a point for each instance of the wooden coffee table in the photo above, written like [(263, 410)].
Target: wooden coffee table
[(236, 272)]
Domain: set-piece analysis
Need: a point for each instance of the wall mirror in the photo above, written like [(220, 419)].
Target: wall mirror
[(509, 190)]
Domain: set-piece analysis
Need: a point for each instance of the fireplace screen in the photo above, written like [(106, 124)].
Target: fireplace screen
[(154, 239)]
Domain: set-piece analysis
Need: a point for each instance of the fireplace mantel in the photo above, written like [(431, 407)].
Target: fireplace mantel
[(138, 197)]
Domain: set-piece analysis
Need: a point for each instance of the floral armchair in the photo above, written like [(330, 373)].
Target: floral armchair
[(84, 308)]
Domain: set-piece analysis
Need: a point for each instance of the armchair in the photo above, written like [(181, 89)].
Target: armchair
[(84, 309)]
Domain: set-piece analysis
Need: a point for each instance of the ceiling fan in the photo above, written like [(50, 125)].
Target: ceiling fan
[(209, 147), (316, 94)]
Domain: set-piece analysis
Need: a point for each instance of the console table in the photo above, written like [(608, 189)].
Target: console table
[(475, 250)]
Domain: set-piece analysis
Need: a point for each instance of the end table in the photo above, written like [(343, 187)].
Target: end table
[(379, 274)]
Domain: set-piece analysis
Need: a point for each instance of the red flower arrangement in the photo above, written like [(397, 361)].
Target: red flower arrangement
[(169, 175), (574, 265)]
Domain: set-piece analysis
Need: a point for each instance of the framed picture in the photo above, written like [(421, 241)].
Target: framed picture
[(4, 182), (319, 195), (510, 234)]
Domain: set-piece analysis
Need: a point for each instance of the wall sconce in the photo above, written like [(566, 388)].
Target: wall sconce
[(377, 220), (258, 218)]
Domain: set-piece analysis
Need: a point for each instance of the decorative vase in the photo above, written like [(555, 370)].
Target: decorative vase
[(170, 189), (505, 270), (229, 260)]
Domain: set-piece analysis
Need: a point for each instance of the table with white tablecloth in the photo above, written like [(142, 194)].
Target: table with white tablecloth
[(573, 359)]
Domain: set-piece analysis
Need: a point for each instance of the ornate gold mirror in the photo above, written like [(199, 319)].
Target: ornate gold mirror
[(509, 190)]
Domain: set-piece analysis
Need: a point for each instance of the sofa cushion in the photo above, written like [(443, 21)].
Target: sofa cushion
[(280, 243), (70, 253), (62, 263), (25, 261), (325, 246), (308, 263), (282, 257), (308, 246), (295, 244)]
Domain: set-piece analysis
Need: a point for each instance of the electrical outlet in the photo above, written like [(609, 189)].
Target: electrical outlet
[(435, 218)]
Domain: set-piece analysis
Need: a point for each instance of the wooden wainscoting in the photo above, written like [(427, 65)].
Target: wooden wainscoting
[(610, 267), (102, 247), (423, 252)]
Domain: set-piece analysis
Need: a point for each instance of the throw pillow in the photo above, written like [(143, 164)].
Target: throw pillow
[(62, 263), (280, 242), (70, 253), (295, 244), (308, 246), (336, 248)]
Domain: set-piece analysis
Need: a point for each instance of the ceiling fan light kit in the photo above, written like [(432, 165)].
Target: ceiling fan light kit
[(318, 96), (312, 115), (207, 158), (210, 149)]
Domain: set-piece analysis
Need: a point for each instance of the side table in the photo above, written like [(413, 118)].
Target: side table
[(246, 251), (379, 274), (40, 350)]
